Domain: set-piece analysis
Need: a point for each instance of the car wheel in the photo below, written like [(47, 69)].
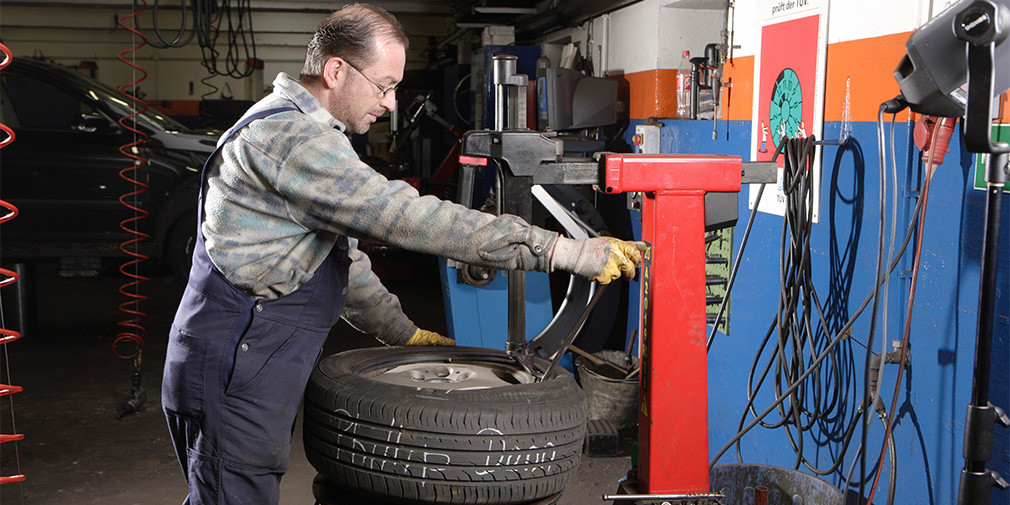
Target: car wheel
[(181, 240), (446, 425)]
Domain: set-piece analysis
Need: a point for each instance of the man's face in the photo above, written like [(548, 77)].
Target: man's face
[(359, 101)]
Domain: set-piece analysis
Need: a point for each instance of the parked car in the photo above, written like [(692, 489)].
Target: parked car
[(62, 171)]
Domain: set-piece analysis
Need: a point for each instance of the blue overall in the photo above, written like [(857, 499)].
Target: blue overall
[(236, 369)]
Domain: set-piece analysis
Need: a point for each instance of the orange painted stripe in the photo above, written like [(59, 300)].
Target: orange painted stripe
[(738, 96), (650, 93), (867, 65)]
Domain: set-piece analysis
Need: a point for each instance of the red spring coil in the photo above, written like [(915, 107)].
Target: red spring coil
[(135, 331), (8, 277)]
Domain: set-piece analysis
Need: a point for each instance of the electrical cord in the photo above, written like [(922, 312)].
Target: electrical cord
[(890, 254), (739, 257), (240, 43), (916, 260), (165, 43), (240, 39), (802, 322), (797, 301), (871, 398), (892, 479), (876, 290), (840, 335)]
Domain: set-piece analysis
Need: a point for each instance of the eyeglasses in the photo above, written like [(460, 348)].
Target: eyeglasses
[(382, 91)]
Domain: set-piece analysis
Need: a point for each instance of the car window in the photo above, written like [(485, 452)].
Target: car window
[(150, 117), (40, 105)]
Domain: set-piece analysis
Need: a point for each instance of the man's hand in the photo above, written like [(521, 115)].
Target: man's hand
[(425, 337), (600, 259)]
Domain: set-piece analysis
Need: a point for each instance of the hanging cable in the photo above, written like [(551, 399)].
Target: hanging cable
[(790, 393), (240, 43), (8, 277), (739, 258), (802, 330), (134, 316), (892, 106), (935, 151), (207, 114), (164, 42), (842, 334), (867, 394)]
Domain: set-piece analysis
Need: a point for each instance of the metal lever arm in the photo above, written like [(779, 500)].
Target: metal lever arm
[(575, 331)]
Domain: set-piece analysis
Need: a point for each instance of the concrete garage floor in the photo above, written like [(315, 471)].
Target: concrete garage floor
[(76, 452)]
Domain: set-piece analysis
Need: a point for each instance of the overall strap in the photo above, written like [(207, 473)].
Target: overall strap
[(224, 138)]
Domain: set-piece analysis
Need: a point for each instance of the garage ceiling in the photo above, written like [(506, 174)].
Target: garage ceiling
[(528, 15), (70, 31), (439, 8)]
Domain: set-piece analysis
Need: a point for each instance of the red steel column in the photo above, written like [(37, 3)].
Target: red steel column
[(673, 418)]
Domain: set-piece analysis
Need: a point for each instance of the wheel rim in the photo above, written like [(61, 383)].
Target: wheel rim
[(453, 375)]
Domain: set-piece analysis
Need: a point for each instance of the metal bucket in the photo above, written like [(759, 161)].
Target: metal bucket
[(745, 484), (610, 397)]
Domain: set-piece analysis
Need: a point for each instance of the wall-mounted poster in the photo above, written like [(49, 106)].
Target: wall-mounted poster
[(789, 90)]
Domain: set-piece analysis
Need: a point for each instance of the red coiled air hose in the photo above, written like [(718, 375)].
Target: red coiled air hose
[(8, 277), (135, 330)]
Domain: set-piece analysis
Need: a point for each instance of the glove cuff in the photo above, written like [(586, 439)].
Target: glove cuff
[(565, 254), (583, 257)]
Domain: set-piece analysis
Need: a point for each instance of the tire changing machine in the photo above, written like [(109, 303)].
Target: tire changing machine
[(673, 417)]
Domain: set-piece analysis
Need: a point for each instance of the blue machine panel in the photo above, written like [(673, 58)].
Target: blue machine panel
[(478, 317)]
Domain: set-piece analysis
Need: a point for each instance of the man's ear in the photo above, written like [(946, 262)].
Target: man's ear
[(333, 70)]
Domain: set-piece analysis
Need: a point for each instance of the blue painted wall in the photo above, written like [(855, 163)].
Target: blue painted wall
[(936, 390)]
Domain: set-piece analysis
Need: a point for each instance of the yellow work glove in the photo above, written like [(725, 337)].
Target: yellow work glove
[(425, 337), (600, 259)]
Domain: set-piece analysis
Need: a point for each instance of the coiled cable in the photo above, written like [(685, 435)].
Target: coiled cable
[(8, 277), (817, 357), (240, 43), (134, 316), (177, 41)]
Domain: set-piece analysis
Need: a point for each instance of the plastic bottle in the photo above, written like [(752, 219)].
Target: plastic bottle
[(684, 87)]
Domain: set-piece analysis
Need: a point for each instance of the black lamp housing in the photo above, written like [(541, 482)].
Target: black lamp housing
[(933, 75)]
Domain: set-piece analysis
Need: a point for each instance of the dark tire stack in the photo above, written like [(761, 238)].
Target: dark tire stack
[(515, 443)]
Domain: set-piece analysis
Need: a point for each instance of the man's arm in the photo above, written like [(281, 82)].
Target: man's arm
[(370, 307), (328, 188)]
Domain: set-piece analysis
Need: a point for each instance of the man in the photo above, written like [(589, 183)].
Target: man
[(274, 267)]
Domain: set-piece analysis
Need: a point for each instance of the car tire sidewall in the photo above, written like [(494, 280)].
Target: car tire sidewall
[(531, 434)]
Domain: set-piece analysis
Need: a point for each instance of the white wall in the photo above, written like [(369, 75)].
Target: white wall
[(847, 19), (652, 34), (633, 39), (687, 29)]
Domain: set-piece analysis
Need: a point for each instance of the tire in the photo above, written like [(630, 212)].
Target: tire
[(179, 250), (514, 442)]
